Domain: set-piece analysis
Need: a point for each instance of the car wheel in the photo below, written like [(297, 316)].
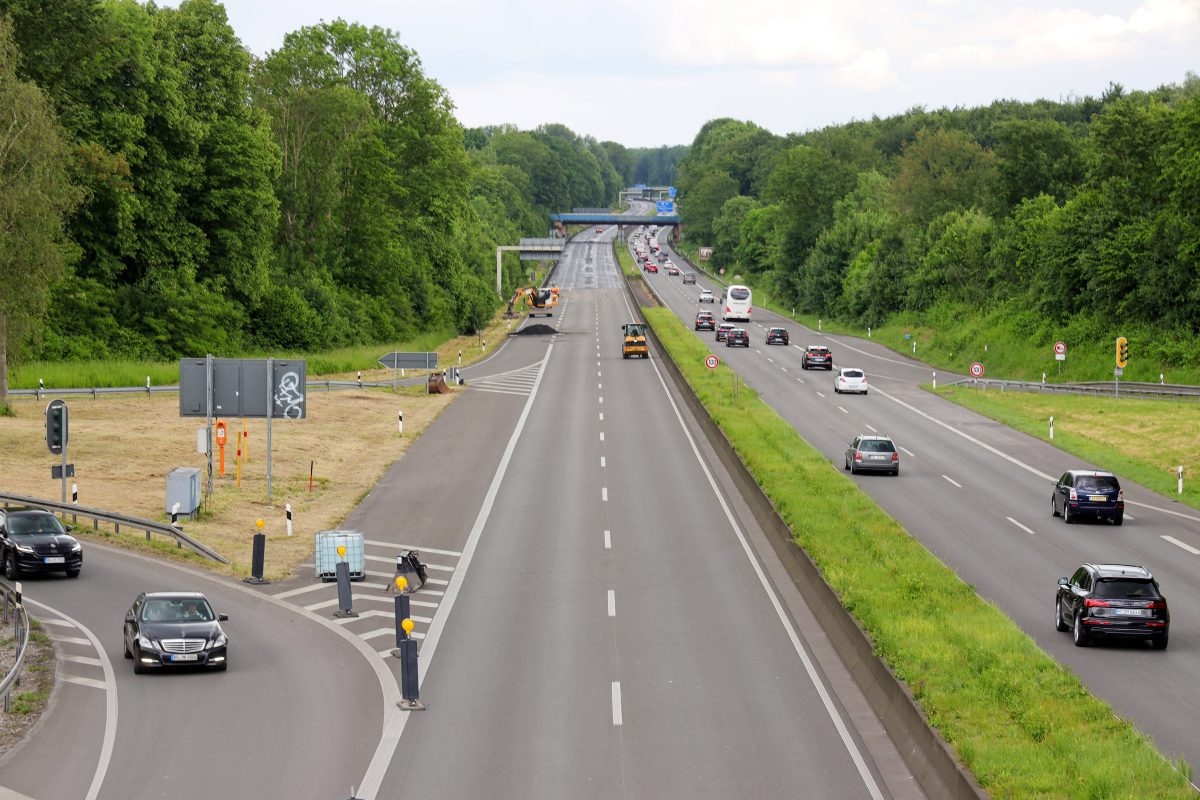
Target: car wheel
[(853, 468), (11, 570), (1119, 519), (846, 464), (1078, 635), (837, 390), (896, 471), (1053, 506), (1159, 642), (1066, 515), (864, 392), (127, 653), (1059, 625), (73, 573)]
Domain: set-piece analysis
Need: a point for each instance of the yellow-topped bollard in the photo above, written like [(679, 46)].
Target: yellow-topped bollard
[(408, 625), (401, 583), (341, 551), (259, 524)]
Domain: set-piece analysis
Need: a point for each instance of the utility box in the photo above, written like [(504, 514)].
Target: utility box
[(326, 558), (183, 487)]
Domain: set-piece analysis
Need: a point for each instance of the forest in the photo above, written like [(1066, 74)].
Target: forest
[(164, 193), (1076, 218)]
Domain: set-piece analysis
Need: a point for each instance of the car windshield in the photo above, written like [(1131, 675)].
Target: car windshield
[(634, 330), (876, 446), (852, 373), (1096, 483), (177, 610), (1124, 588), (818, 351), (776, 330), (33, 524)]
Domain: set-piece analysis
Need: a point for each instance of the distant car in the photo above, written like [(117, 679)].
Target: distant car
[(651, 266), (175, 629), (736, 337), (672, 269), (1112, 600), (599, 230), (1088, 493), (723, 329), (850, 379), (661, 255), (33, 540), (706, 296), (689, 277), (777, 336), (705, 321), (817, 355), (872, 453)]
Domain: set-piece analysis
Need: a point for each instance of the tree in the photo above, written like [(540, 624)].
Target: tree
[(727, 229), (35, 196), (704, 203), (941, 171)]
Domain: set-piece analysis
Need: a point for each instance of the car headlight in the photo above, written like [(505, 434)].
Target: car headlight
[(75, 548), (220, 641), (146, 642), (23, 549)]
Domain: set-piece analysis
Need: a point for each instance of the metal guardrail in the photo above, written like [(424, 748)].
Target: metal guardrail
[(116, 520), (148, 390), (1093, 388), (11, 605)]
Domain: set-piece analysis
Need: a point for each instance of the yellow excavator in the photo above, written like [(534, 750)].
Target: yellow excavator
[(633, 340), (540, 300)]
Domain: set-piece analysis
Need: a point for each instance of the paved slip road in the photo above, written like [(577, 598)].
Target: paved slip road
[(297, 714), (601, 631), (977, 494)]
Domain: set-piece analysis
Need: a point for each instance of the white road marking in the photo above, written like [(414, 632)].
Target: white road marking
[(908, 452), (616, 702), (375, 634), (770, 359), (844, 411), (801, 380), (602, 416), (602, 464), (608, 540), (601, 398), (70, 639), (1019, 525), (599, 385), (92, 682), (298, 590), (758, 351), (872, 430), (1129, 516), (91, 662), (820, 395), (598, 373), (956, 483), (374, 613), (602, 436), (785, 369), (61, 622), (1184, 545), (612, 603), (604, 494)]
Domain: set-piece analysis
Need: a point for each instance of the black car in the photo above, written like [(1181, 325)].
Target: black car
[(777, 336), (817, 356), (175, 629), (1088, 493), (33, 540), (723, 329), (706, 321), (737, 338), (1116, 600)]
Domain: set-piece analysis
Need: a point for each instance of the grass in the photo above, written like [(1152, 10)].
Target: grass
[(1142, 440), (1023, 724)]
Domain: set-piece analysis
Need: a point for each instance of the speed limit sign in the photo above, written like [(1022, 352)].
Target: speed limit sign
[(977, 370), (711, 362), (1060, 351)]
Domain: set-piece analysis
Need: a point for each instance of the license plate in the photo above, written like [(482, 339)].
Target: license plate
[(878, 458), (185, 657), (55, 559), (1098, 498), (1129, 612)]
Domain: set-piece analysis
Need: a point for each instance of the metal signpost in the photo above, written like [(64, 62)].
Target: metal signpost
[(400, 361)]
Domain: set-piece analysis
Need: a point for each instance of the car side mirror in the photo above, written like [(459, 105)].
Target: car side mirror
[(68, 528), (222, 617), (1063, 582), (129, 618)]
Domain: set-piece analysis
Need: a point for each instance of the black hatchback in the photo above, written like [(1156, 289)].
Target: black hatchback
[(777, 336), (737, 338), (1112, 600), (33, 540), (1082, 493)]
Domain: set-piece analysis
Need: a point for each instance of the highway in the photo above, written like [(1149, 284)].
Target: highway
[(977, 494)]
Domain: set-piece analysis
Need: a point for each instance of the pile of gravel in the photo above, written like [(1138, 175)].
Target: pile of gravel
[(536, 330)]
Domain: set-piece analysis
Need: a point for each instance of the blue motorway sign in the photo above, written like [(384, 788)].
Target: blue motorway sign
[(665, 207), (639, 187), (671, 192)]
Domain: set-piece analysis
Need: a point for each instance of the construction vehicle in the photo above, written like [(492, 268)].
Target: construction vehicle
[(633, 341), (540, 300)]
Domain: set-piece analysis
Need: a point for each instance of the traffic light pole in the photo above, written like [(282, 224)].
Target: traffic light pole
[(64, 456)]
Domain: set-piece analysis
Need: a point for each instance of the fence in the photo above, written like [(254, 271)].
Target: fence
[(10, 604)]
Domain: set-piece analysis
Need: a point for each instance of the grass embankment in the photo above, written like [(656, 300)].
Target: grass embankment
[(123, 446), (1143, 440), (1021, 722)]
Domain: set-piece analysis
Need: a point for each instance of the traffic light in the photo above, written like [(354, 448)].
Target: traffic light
[(56, 426), (1122, 352)]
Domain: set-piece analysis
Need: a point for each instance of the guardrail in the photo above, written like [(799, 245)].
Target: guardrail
[(11, 604), (116, 520), (1093, 388), (40, 392)]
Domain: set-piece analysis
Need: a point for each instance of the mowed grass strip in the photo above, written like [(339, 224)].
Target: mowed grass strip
[(1145, 441), (1020, 722)]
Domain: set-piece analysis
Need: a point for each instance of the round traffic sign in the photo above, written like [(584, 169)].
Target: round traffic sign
[(1060, 348), (977, 370), (711, 362)]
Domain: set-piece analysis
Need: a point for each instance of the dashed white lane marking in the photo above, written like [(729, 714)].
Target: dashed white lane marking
[(1184, 545), (616, 702), (602, 416), (603, 494), (601, 398), (598, 375), (770, 359), (872, 430), (1129, 516), (820, 395), (599, 385), (602, 436), (844, 411), (1019, 525), (908, 452), (602, 464), (612, 603), (758, 351), (608, 540), (785, 369), (801, 380), (956, 483), (91, 662), (92, 682)]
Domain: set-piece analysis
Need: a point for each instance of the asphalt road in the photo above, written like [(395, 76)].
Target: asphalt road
[(977, 494), (297, 714)]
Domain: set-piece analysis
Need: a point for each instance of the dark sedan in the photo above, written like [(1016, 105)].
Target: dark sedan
[(738, 337), (706, 321), (777, 336), (1112, 600), (33, 540), (1085, 493), (723, 329), (175, 629)]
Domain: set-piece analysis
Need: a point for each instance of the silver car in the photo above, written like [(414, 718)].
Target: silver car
[(872, 453)]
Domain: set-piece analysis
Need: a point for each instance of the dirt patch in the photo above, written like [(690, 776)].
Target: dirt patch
[(37, 681), (537, 329), (644, 298)]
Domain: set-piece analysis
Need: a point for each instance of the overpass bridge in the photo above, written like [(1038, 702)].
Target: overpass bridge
[(614, 219)]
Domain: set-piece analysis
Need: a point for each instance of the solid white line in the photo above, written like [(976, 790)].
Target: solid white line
[(844, 411), (92, 682), (110, 703), (908, 452), (604, 494), (872, 430), (1019, 525), (826, 700), (956, 483), (608, 540), (91, 662), (1184, 545), (612, 603), (616, 702), (602, 464)]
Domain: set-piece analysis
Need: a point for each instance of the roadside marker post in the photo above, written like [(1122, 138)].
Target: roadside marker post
[(74, 501), (175, 515), (258, 556), (1181, 479), (935, 379), (1052, 427), (345, 600), (288, 507), (400, 421)]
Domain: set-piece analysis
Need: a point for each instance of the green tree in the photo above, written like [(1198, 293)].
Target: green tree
[(727, 229), (941, 171)]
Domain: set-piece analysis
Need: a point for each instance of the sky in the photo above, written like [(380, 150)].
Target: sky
[(647, 74)]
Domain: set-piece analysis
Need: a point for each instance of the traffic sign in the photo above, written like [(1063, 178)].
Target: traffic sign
[(1122, 352), (977, 370), (671, 192), (665, 207), (711, 362), (1060, 348)]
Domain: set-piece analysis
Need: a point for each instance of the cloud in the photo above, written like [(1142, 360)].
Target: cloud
[(870, 72)]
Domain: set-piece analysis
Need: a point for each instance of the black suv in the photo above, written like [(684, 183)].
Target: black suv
[(33, 540), (705, 320), (817, 356), (1088, 493), (736, 337), (1117, 600), (777, 336)]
